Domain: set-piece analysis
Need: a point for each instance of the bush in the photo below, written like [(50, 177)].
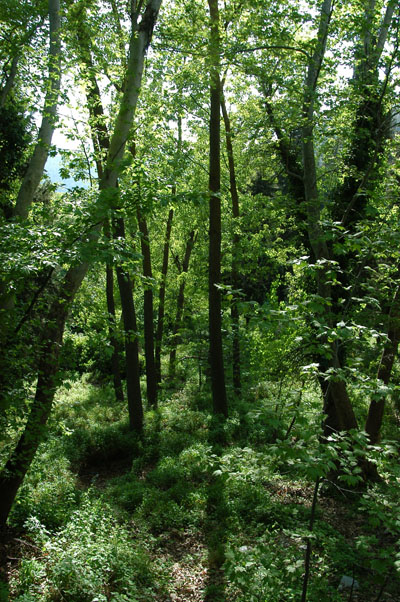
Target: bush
[(93, 557), (48, 492), (101, 444)]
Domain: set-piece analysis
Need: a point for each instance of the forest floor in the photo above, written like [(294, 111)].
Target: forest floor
[(192, 512)]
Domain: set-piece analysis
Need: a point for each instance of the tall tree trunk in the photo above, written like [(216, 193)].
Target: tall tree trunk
[(161, 302), (135, 408), (38, 160), (34, 171), (220, 403), (20, 459), (336, 401), (180, 304), (101, 145), (164, 269), (151, 375), (377, 406), (115, 367), (235, 249)]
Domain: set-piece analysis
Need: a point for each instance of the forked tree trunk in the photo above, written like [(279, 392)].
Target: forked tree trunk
[(101, 145), (220, 404)]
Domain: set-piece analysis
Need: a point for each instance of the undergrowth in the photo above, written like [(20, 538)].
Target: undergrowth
[(230, 500)]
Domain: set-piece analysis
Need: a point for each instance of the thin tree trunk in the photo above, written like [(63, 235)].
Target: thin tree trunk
[(38, 160), (164, 270), (377, 406), (10, 77), (161, 303), (135, 408), (9, 84), (115, 367), (235, 250), (180, 306), (220, 404), (151, 375)]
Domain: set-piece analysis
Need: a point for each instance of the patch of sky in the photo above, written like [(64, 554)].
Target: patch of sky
[(53, 167)]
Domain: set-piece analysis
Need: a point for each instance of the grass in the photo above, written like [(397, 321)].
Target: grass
[(195, 508)]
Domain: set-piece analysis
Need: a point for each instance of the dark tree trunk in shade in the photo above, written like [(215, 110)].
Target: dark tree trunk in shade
[(377, 406), (115, 368), (135, 407), (161, 303), (235, 250), (151, 375), (13, 473), (220, 404), (180, 305)]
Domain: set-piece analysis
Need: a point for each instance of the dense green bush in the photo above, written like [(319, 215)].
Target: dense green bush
[(91, 558), (100, 444), (49, 490)]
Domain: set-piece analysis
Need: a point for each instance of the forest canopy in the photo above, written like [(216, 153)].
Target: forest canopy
[(215, 301)]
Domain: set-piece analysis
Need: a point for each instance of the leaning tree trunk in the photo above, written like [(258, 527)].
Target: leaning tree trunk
[(38, 160), (34, 171), (13, 473)]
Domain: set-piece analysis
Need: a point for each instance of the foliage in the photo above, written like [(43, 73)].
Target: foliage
[(92, 556)]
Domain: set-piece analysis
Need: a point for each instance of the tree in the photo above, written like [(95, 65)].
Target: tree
[(215, 323), (15, 469)]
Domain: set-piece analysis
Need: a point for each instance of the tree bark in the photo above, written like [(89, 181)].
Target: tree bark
[(135, 407), (38, 160), (336, 399), (161, 302), (377, 406), (115, 367), (151, 375), (180, 305), (235, 318), (220, 404)]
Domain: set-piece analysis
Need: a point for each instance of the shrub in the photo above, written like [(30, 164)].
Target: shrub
[(93, 557), (48, 492)]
